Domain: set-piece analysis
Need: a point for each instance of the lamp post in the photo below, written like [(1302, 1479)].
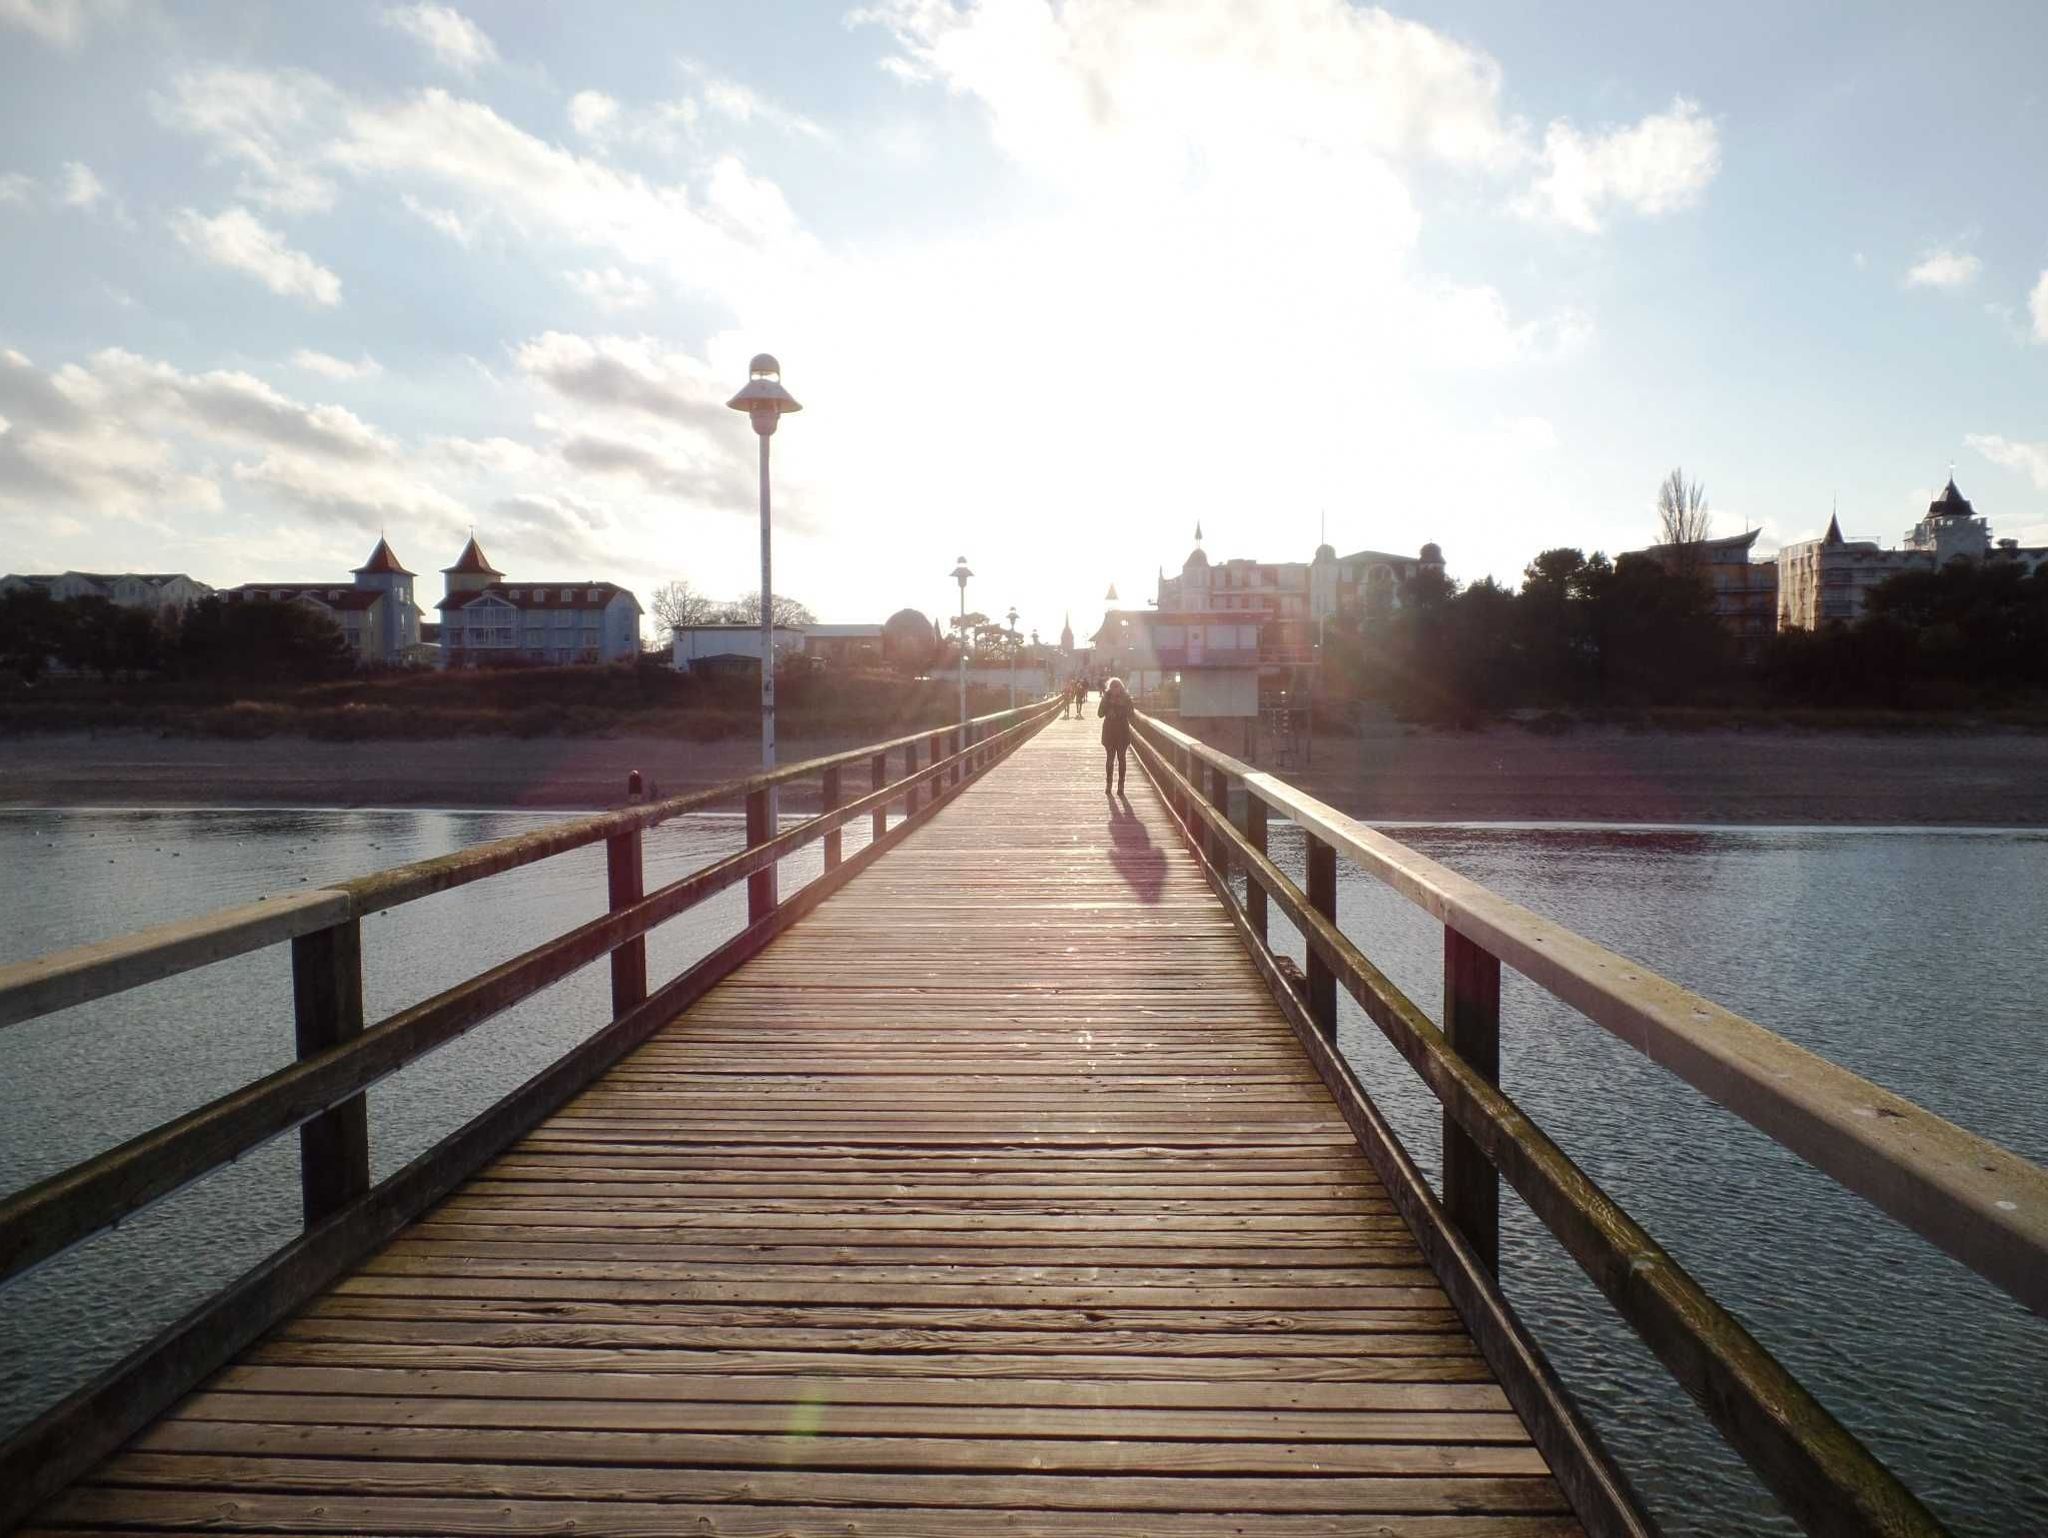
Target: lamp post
[(1012, 616), (764, 401), (960, 574)]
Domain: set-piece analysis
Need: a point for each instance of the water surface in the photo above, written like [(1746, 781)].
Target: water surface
[(1909, 955)]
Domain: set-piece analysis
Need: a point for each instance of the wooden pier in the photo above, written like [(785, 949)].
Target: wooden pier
[(1003, 1178)]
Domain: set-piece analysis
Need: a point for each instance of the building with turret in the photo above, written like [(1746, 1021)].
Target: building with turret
[(375, 611), (1827, 580), (488, 619), (1366, 583)]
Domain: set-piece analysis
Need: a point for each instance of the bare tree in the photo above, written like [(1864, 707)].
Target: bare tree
[(1682, 513), (1683, 519), (677, 603), (746, 610)]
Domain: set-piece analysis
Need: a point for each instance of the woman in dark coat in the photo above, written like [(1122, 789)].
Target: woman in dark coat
[(1115, 710)]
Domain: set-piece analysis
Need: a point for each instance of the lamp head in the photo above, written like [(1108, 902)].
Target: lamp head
[(960, 573), (762, 398)]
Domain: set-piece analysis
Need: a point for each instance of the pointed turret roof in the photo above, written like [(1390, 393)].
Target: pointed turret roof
[(473, 559), (1951, 503), (382, 560), (1834, 534)]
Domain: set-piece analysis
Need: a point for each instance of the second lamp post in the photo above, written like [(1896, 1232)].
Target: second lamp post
[(960, 574)]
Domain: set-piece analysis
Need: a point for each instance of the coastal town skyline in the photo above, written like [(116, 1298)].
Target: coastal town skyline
[(421, 268)]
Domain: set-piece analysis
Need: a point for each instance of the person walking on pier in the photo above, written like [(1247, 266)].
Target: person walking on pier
[(1115, 710)]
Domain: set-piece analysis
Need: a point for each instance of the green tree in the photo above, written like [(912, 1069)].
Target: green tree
[(261, 641)]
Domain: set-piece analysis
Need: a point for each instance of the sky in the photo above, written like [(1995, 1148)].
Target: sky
[(1054, 280)]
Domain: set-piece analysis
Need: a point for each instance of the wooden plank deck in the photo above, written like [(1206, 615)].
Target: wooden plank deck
[(994, 1195)]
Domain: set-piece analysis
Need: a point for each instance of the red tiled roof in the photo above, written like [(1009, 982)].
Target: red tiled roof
[(382, 560), (320, 592), (473, 559)]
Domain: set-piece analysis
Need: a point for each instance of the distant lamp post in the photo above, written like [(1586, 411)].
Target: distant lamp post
[(960, 574), (1110, 596), (1012, 617), (765, 401)]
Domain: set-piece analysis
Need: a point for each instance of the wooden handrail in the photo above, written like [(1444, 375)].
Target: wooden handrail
[(1824, 1476), (1974, 1198)]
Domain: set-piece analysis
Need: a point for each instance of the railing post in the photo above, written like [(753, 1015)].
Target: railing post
[(937, 782), (1472, 1026), (625, 884), (1255, 835), (761, 896), (878, 776), (910, 768), (327, 1010), (830, 797), (1219, 797), (1322, 896)]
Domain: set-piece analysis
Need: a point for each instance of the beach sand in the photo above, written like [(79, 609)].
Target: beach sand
[(1393, 773)]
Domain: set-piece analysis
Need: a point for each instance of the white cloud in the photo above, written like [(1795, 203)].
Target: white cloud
[(738, 234), (446, 220), (614, 373), (15, 187), (1943, 268), (235, 238), (610, 289), (330, 367), (451, 37), (1659, 165), (592, 113), (268, 121), (743, 104), (2037, 308), (2030, 459), (80, 189), (61, 23)]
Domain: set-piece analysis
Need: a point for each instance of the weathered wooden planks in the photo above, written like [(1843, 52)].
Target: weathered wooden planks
[(995, 1191)]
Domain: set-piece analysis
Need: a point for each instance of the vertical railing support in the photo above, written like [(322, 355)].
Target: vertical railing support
[(910, 796), (878, 776), (1255, 835), (626, 884), (1322, 896), (1472, 1026), (1219, 797), (327, 1010), (937, 782), (761, 896), (830, 797)]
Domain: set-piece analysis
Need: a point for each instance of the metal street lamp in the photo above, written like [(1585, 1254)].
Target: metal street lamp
[(765, 401), (1013, 657), (960, 574)]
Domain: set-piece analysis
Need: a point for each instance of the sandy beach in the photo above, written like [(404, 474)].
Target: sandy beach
[(1393, 773)]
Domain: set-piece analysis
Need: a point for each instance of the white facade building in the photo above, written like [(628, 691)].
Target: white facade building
[(375, 611), (486, 619), (129, 589), (704, 643), (1827, 580)]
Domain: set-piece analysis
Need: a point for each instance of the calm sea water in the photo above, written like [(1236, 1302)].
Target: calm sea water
[(1909, 955)]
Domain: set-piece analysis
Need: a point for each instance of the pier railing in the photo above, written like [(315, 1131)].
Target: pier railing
[(1981, 1203), (322, 1094)]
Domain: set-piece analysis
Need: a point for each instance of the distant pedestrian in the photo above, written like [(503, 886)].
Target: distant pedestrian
[(1116, 710), (1080, 697)]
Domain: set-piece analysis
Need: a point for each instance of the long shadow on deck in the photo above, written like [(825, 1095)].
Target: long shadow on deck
[(1137, 859)]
